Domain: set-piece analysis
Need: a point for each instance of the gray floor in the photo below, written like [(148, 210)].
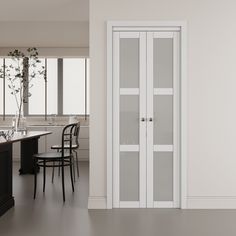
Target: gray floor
[(48, 216)]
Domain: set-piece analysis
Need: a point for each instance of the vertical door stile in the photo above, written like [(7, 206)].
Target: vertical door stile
[(116, 121), (142, 135), (176, 126), (149, 64)]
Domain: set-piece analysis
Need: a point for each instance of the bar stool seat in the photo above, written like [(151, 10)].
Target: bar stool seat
[(56, 147), (53, 156)]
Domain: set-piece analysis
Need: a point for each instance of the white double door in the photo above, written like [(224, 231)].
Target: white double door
[(145, 119)]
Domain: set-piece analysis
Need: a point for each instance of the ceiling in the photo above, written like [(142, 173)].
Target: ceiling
[(44, 10)]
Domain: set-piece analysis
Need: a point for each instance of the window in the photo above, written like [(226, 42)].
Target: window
[(43, 92), (52, 86), (73, 86), (10, 101), (37, 99), (65, 91)]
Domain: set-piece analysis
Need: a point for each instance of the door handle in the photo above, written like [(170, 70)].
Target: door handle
[(142, 119), (150, 119)]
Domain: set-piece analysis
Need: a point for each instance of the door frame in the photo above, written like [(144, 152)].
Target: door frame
[(149, 25)]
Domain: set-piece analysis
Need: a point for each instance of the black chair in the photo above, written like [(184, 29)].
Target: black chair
[(74, 147), (62, 158)]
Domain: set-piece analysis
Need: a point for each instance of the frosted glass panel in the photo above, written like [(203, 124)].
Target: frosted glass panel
[(129, 176), (163, 120), (52, 86), (73, 86), (37, 100), (163, 63), (129, 63), (163, 176), (129, 119), (1, 89), (10, 100)]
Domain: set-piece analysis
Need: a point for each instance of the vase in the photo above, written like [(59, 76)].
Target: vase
[(19, 123)]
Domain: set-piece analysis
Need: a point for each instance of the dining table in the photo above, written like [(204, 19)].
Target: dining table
[(29, 146)]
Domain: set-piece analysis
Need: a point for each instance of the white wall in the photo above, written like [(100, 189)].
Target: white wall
[(50, 25), (53, 34), (44, 10), (211, 93)]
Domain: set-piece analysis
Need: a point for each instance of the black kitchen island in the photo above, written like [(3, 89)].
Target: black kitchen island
[(29, 146)]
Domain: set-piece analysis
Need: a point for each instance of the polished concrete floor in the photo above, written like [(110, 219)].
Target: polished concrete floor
[(48, 216)]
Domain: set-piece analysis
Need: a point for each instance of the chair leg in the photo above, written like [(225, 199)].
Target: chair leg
[(71, 174), (59, 168), (77, 163), (44, 175), (59, 171), (35, 177), (62, 180), (73, 164), (53, 171)]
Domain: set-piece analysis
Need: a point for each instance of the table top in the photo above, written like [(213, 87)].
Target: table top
[(29, 135)]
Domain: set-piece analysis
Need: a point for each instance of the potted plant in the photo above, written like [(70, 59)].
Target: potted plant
[(25, 67)]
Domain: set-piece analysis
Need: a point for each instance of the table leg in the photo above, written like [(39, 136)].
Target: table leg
[(28, 148), (6, 198)]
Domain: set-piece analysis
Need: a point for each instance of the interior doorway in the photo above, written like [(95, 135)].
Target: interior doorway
[(145, 152)]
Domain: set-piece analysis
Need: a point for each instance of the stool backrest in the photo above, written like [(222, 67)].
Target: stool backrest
[(68, 134), (76, 134)]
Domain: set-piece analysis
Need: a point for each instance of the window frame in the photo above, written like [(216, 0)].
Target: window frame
[(59, 91)]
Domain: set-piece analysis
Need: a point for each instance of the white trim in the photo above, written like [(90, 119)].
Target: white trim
[(129, 91), (150, 147), (116, 121), (211, 202), (163, 91), (129, 204), (163, 204), (97, 202), (163, 148), (120, 29), (127, 35), (129, 148), (155, 24), (109, 116), (163, 35), (183, 115), (142, 126), (176, 121), (183, 101)]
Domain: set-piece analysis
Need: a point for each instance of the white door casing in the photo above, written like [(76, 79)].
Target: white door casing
[(146, 93)]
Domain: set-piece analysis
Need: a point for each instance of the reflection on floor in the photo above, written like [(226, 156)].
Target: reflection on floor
[(48, 216)]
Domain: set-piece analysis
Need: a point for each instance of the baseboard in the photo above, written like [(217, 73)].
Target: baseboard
[(211, 202), (97, 202)]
